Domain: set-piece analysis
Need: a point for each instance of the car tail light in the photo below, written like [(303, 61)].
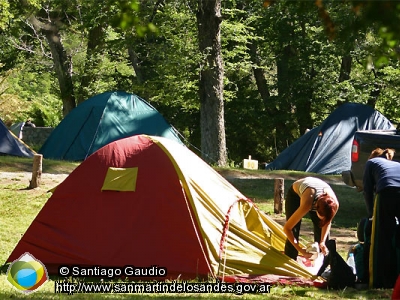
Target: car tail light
[(354, 151)]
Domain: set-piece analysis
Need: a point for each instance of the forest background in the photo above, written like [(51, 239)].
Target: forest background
[(277, 68)]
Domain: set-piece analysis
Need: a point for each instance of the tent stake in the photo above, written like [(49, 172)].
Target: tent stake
[(36, 171)]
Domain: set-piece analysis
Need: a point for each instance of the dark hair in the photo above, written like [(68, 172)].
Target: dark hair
[(327, 208)]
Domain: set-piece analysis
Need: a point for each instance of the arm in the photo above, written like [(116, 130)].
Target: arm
[(293, 220), (324, 234)]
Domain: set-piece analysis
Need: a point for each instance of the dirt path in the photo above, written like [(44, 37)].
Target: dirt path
[(48, 181), (232, 174)]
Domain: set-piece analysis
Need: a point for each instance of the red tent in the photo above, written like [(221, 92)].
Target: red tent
[(151, 203)]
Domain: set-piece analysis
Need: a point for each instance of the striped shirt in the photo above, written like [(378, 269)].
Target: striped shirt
[(315, 183)]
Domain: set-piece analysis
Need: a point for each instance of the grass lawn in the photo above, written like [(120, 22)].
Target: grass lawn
[(20, 205)]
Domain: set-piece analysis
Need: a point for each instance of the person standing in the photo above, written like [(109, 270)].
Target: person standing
[(314, 196), (381, 182), (29, 123)]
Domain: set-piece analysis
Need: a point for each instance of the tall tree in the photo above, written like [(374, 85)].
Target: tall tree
[(212, 122), (48, 24), (95, 42)]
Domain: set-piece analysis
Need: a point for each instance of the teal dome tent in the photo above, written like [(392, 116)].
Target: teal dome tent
[(102, 119)]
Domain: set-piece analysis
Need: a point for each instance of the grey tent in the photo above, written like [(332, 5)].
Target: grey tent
[(326, 149), (11, 145), (16, 129)]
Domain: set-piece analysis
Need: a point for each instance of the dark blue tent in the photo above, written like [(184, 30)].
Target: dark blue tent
[(103, 119), (326, 149), (11, 145)]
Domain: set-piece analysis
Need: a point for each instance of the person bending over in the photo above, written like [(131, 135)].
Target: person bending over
[(314, 196)]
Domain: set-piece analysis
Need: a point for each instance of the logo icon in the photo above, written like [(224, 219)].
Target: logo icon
[(27, 274)]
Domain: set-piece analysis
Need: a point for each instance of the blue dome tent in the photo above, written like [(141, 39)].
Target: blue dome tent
[(326, 149)]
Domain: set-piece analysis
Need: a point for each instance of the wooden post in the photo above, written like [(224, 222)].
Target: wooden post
[(36, 171), (278, 195)]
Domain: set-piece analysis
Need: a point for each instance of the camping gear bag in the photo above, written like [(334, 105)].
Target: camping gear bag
[(341, 274)]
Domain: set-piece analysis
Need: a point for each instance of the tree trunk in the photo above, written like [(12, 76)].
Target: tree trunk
[(374, 94), (261, 82), (303, 105), (212, 123), (134, 59), (284, 113), (93, 54), (63, 68), (62, 65), (304, 118), (345, 68)]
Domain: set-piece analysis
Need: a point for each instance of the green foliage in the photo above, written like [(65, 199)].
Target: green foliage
[(46, 112), (150, 48), (389, 82), (169, 65), (5, 13), (127, 17), (11, 109), (36, 99), (384, 17)]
